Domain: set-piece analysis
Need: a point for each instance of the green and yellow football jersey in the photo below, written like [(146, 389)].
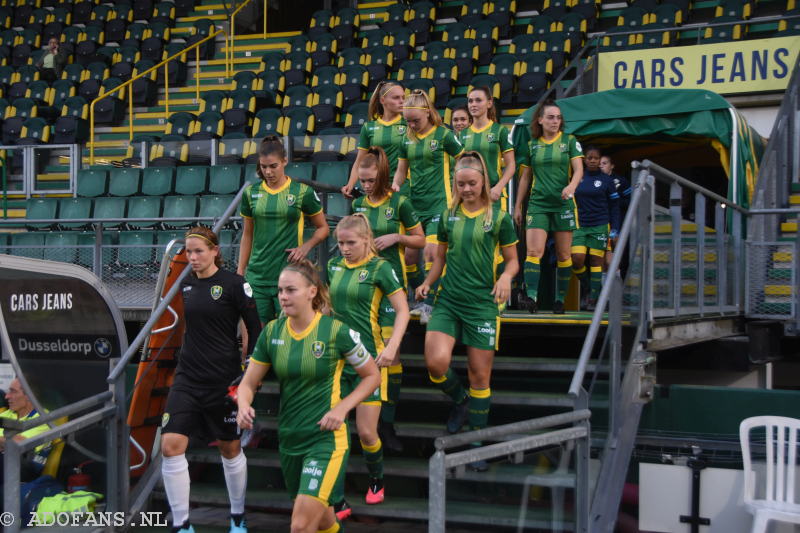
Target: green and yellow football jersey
[(278, 217), (389, 136), (472, 245), (551, 169), (394, 214), (309, 367), (429, 166), (356, 292), (491, 142)]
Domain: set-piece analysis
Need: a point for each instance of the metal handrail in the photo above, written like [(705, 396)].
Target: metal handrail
[(233, 27), (23, 221), (52, 416), (162, 307), (141, 75)]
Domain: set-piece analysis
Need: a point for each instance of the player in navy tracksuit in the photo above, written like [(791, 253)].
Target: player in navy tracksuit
[(624, 190), (598, 221)]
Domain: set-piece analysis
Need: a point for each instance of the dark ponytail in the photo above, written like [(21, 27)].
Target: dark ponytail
[(271, 145), (536, 128)]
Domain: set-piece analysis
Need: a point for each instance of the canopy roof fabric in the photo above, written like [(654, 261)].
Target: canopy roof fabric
[(656, 115)]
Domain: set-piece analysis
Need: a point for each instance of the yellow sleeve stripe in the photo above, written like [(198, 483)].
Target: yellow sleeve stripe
[(414, 226), (317, 213), (393, 293), (365, 149), (507, 245), (245, 216), (402, 159), (441, 242), (576, 157), (509, 150), (252, 360), (525, 166)]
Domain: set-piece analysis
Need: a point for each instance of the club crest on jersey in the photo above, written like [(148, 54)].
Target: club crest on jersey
[(363, 275), (389, 213), (318, 348), (434, 145), (598, 183), (291, 198), (530, 218), (401, 130), (216, 292), (490, 137), (487, 225), (562, 147), (164, 420)]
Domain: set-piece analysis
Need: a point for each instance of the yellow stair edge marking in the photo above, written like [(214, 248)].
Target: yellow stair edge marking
[(782, 256), (778, 290), (52, 177), (220, 87), (148, 127), (195, 19), (15, 213), (198, 9), (789, 227), (274, 46), (663, 257), (685, 228), (514, 112), (373, 5), (794, 200), (692, 289), (250, 36), (157, 114), (105, 144), (178, 101)]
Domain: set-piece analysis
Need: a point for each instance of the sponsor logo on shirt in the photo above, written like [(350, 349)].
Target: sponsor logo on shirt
[(185, 289), (598, 183), (313, 484), (454, 219), (467, 137), (389, 213), (313, 463), (487, 225), (255, 196), (490, 137), (318, 348), (363, 275), (578, 146), (487, 328), (337, 269), (375, 128), (248, 290), (216, 292), (279, 342), (291, 198), (562, 147), (434, 144), (361, 208), (388, 310), (567, 215)]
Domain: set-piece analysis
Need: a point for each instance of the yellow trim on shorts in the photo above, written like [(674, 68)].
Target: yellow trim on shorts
[(384, 384), (320, 500), (374, 311), (431, 239), (579, 250), (437, 380), (371, 449), (334, 466), (597, 253), (395, 369), (480, 393), (376, 404), (497, 337), (387, 332)]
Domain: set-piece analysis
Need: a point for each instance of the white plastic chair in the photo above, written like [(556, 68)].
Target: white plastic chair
[(779, 501)]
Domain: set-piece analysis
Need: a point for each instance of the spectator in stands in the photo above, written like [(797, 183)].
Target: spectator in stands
[(469, 234), (624, 190), (598, 213), (20, 408), (52, 62), (550, 156), (274, 212), (460, 119), (424, 158)]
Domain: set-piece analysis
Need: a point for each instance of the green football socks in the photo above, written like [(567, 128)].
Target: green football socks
[(451, 385), (479, 401), (532, 273), (373, 455), (563, 275), (392, 393), (595, 278)]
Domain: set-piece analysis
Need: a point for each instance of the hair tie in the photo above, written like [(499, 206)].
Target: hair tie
[(393, 85), (301, 273), (423, 108), (202, 237), (373, 151), (473, 168)]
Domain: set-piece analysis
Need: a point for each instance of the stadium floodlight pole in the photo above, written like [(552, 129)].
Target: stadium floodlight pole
[(156, 316)]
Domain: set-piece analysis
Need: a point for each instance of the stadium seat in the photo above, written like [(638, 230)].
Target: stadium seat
[(356, 116), (299, 43), (273, 83), (327, 104), (421, 28), (233, 148), (27, 240), (422, 10), (180, 207), (297, 68), (398, 12), (666, 38), (506, 68), (158, 181), (135, 253), (555, 8), (240, 111), (164, 12), (111, 109), (60, 92), (322, 18), (403, 42), (330, 145), (213, 101), (390, 25), (423, 85), (61, 15), (353, 81), (272, 61), (666, 14), (105, 208), (348, 16), (38, 209), (486, 80), (267, 122), (86, 255), (92, 183), (379, 65), (299, 95), (74, 208), (209, 124), (537, 62), (722, 34), (435, 50), (226, 179), (634, 17), (621, 41), (736, 8), (52, 30), (466, 54), (125, 182), (144, 90), (73, 124), (454, 32), (532, 85), (411, 70), (684, 5), (351, 56), (300, 170), (325, 76), (191, 180), (145, 207), (123, 12), (173, 151), (344, 35), (540, 26), (372, 38), (444, 74), (181, 123), (451, 105), (133, 155), (164, 237), (212, 205), (61, 247), (298, 122)]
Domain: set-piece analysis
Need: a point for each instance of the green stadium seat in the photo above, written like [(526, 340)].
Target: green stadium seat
[(721, 34), (451, 105), (145, 207), (225, 179), (74, 208), (444, 74), (351, 56), (423, 84), (325, 76), (337, 205), (435, 50), (413, 69), (27, 239), (540, 26), (323, 18), (633, 17), (209, 124), (299, 122), (233, 148), (136, 250), (180, 123), (244, 80), (299, 95), (455, 32), (300, 170), (125, 182), (86, 256), (192, 180), (158, 181), (92, 183), (41, 208), (180, 207), (250, 173), (356, 117), (466, 54), (667, 14), (423, 10), (163, 238), (267, 122), (106, 208), (399, 11), (619, 42), (61, 247), (272, 61), (538, 62), (334, 173), (212, 205), (373, 38), (486, 80), (213, 101), (736, 8), (73, 125)]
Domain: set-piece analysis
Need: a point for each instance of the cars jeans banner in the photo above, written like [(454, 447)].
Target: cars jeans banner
[(725, 68)]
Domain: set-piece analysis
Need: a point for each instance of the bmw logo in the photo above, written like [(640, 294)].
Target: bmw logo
[(102, 347)]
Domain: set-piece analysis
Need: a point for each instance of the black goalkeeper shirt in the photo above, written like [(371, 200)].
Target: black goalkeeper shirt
[(212, 307)]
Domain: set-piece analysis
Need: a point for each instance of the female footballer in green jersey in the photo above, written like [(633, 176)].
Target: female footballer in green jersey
[(395, 227), (359, 280), (460, 118), (274, 213), (426, 153), (469, 236), (309, 351), (491, 140), (549, 159), (387, 129)]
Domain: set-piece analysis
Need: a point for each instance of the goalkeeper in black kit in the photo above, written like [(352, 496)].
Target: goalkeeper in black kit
[(214, 300)]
